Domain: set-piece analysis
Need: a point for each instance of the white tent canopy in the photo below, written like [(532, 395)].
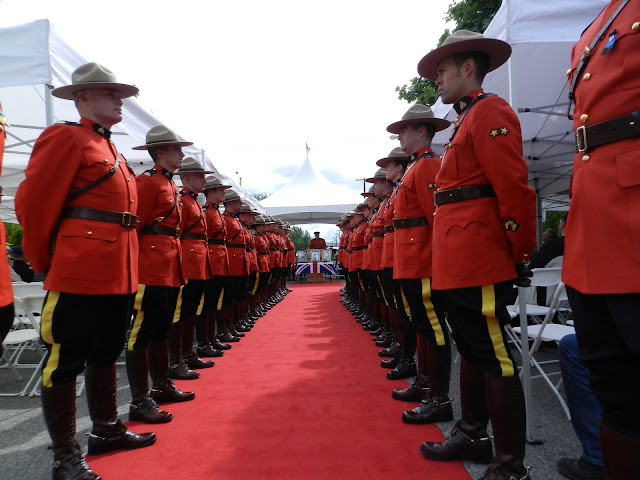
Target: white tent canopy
[(33, 61), (534, 82), (309, 197)]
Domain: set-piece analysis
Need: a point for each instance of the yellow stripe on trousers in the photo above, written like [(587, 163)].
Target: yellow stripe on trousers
[(255, 287), (407, 310), (137, 322), (178, 311), (46, 332), (384, 295), (431, 311), (200, 305), (220, 299), (495, 332)]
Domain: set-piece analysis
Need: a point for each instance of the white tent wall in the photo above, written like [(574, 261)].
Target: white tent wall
[(33, 60), (534, 82), (310, 198)]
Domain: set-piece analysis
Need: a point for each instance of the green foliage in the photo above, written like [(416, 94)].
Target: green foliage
[(473, 15), (259, 196), (552, 218), (300, 238), (14, 234)]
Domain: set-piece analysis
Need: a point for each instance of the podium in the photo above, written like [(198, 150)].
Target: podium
[(314, 263)]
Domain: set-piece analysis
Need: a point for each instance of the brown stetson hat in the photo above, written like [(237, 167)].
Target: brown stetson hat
[(418, 114), (160, 136), (191, 165), (370, 192), (464, 41), (379, 175), (214, 182), (93, 75), (394, 155), (230, 195)]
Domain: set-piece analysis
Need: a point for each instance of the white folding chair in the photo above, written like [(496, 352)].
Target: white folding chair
[(21, 340), (549, 332)]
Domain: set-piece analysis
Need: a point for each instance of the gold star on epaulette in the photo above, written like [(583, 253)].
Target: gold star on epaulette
[(511, 224), (183, 193), (147, 173), (494, 133), (432, 185), (463, 105), (504, 131)]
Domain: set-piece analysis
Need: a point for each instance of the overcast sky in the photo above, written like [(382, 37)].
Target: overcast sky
[(252, 81)]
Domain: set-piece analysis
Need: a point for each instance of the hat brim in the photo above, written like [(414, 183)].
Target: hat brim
[(67, 91), (439, 123), (498, 52), (217, 186), (383, 162), (162, 144), (181, 171)]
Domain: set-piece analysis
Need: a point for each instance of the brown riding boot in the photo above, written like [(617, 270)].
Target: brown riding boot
[(620, 454), (468, 439), (164, 391), (205, 347), (143, 408), (178, 367), (188, 353), (108, 432), (59, 410), (436, 406), (419, 388), (508, 419)]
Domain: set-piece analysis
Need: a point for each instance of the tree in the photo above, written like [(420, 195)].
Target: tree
[(14, 234), (300, 238), (260, 196), (472, 15)]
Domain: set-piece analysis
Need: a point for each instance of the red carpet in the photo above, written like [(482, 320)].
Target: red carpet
[(302, 396)]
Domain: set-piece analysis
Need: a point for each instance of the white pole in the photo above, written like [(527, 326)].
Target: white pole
[(48, 102)]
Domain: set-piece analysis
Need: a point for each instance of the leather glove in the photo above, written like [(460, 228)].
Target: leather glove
[(524, 276)]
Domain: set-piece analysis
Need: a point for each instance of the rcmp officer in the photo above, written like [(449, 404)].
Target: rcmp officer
[(485, 211), (195, 270), (6, 292), (602, 282), (84, 237), (160, 271), (413, 217), (211, 320), (247, 217), (262, 250), (317, 242)]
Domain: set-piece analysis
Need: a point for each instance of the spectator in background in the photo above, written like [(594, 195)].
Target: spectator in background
[(548, 235), (550, 249), (586, 414), (20, 264)]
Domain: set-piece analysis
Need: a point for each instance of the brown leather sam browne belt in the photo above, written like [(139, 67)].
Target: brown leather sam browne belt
[(410, 222), (589, 137), (126, 219), (462, 194)]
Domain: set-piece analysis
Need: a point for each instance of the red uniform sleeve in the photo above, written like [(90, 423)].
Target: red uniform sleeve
[(147, 193), (40, 197)]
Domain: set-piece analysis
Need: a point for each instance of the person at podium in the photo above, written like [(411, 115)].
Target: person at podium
[(317, 243)]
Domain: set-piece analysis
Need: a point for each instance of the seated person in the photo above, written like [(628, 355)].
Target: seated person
[(548, 235), (20, 264), (586, 414), (550, 249), (317, 243)]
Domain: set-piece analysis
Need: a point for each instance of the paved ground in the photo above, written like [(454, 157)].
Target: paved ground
[(23, 439)]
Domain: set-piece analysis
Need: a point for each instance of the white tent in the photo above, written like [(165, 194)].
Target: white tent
[(309, 197), (33, 61), (534, 82)]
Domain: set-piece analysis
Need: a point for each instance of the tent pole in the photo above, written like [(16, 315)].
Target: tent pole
[(48, 102), (538, 215)]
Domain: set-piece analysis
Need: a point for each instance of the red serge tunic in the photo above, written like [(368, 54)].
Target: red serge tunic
[(602, 237), (90, 257), (387, 215), (291, 251), (195, 257), (251, 249), (414, 199), (376, 242), (236, 247), (6, 292), (478, 242), (356, 244), (262, 249), (160, 255), (216, 233)]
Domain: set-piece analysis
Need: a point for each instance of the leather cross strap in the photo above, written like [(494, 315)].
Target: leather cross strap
[(461, 194), (194, 236), (589, 137), (155, 229), (126, 219), (410, 222)]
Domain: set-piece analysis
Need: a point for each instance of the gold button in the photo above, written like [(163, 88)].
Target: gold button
[(412, 239), (585, 158), (586, 76), (89, 232), (106, 160), (192, 249), (568, 72), (128, 179), (635, 26), (587, 49), (584, 117), (210, 251), (153, 246), (132, 200)]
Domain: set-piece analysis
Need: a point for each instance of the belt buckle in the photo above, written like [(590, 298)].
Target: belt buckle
[(127, 219), (581, 134)]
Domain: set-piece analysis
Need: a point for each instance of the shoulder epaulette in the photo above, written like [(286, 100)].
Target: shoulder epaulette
[(66, 122), (150, 173)]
